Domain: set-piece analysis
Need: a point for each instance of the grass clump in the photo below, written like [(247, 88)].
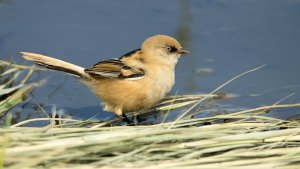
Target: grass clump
[(256, 142), (13, 85), (244, 139)]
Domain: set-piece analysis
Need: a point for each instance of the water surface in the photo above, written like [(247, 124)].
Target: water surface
[(224, 37)]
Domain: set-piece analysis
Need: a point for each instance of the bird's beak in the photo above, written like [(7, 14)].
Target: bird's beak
[(182, 51)]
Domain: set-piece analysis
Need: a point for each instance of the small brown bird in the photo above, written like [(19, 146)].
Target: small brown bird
[(133, 82)]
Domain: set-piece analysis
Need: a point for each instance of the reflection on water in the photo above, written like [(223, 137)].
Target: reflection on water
[(183, 34)]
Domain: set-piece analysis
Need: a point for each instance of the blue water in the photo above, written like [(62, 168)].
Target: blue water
[(224, 37)]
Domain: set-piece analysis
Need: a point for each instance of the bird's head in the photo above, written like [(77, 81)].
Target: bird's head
[(163, 48)]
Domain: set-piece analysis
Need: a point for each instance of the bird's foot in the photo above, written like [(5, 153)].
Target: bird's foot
[(127, 120)]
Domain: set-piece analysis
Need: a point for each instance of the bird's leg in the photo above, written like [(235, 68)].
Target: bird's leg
[(119, 112), (138, 118), (125, 118)]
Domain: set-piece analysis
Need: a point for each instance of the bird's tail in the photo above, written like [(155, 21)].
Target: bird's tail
[(55, 64)]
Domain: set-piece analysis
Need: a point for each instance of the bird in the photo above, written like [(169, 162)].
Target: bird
[(133, 82)]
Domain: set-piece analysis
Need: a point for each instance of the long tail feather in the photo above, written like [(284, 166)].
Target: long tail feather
[(55, 64)]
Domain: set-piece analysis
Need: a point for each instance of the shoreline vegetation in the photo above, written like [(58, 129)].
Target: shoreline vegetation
[(241, 139)]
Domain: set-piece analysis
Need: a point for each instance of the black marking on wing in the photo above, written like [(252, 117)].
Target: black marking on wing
[(126, 67), (97, 71), (130, 53), (94, 71), (110, 61), (142, 73)]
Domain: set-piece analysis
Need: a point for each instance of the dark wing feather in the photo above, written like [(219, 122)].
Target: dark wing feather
[(115, 68), (130, 53)]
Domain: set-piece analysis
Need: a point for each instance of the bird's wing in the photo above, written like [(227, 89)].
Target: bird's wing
[(115, 68)]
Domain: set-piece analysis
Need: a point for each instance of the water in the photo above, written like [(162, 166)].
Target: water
[(224, 37)]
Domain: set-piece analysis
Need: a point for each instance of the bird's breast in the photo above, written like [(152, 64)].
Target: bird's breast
[(159, 81)]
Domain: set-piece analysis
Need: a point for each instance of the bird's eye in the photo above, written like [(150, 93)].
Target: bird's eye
[(169, 48)]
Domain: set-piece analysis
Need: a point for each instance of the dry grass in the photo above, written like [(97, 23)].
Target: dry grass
[(244, 139), (14, 85), (258, 141)]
